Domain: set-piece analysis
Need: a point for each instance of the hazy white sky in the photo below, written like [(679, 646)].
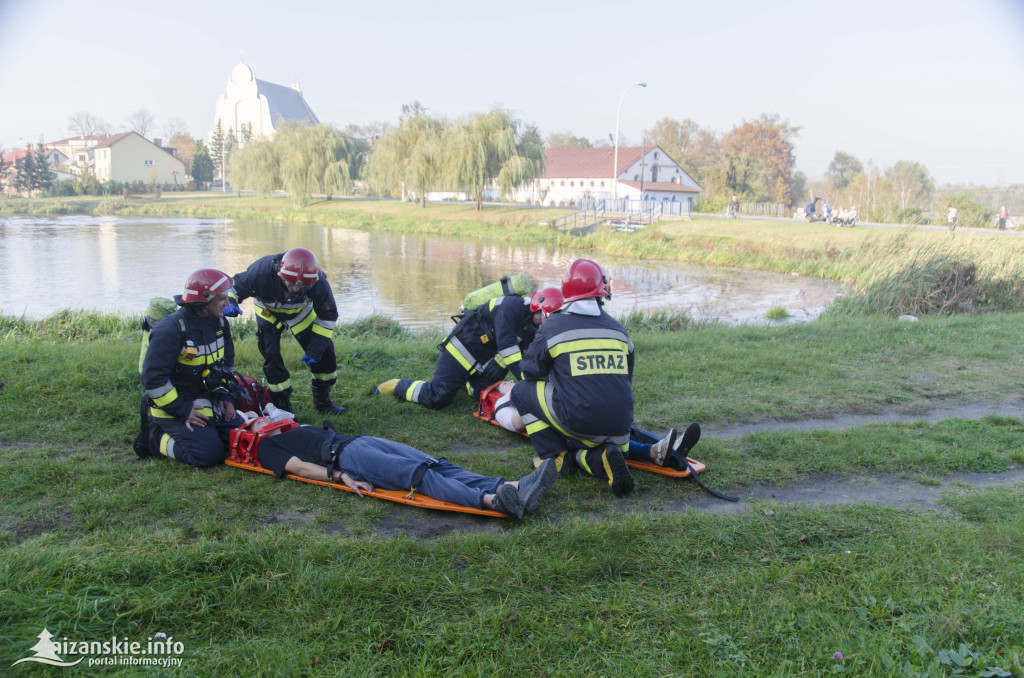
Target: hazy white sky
[(938, 82)]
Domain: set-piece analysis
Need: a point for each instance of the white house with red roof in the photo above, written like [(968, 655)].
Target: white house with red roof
[(579, 175)]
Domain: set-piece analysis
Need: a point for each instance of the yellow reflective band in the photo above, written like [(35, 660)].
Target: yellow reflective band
[(458, 356), (206, 411), (157, 413), (581, 459), (598, 362), (607, 466), (277, 388), (588, 345), (547, 415), (323, 331), (513, 359), (409, 392), (165, 441), (324, 376), (299, 327), (537, 426), (166, 398)]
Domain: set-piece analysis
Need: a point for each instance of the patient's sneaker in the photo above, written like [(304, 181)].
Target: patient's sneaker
[(682, 447), (533, 486), (506, 500), (661, 449)]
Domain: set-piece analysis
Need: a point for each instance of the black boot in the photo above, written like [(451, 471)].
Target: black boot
[(322, 399), (282, 400), (141, 442)]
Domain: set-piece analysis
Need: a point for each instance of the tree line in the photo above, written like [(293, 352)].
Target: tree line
[(754, 161)]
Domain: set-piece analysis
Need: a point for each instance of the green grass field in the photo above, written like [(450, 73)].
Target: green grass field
[(265, 577)]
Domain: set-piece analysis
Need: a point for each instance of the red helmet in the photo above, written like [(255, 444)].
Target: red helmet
[(298, 265), (585, 279), (547, 300), (204, 284)]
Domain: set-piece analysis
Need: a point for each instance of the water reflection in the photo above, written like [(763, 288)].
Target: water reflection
[(115, 264)]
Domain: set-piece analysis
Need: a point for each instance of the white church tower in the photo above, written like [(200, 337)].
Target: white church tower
[(259, 104)]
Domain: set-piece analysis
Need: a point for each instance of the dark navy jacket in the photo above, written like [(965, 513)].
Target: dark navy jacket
[(312, 307), (588, 360), (501, 329), (181, 347)]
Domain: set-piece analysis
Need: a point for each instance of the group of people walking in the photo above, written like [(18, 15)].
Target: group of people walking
[(572, 362)]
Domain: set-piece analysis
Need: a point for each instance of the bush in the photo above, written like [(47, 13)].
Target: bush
[(969, 212), (62, 189), (912, 216)]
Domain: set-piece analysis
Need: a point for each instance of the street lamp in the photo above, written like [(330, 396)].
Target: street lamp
[(615, 171)]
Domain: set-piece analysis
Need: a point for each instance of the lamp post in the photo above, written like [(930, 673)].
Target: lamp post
[(615, 170)]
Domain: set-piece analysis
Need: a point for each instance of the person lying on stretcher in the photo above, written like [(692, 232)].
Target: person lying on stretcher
[(660, 453), (365, 462)]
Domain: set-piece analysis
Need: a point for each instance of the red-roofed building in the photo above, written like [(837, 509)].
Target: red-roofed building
[(576, 175)]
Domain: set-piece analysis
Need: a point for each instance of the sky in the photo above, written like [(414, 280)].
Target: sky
[(938, 82)]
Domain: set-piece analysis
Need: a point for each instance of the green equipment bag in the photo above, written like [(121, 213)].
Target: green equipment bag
[(508, 285)]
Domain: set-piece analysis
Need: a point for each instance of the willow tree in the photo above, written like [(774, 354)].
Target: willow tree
[(411, 155), (312, 160), (256, 167), (493, 148)]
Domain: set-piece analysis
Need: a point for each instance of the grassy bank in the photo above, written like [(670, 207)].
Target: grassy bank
[(894, 273), (283, 578)]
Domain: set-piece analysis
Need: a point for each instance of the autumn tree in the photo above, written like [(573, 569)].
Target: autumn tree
[(184, 147), (843, 168), (759, 159), (173, 127)]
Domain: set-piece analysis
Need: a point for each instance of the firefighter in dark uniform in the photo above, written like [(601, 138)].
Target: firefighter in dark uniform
[(290, 291), (487, 343), (184, 373), (576, 399)]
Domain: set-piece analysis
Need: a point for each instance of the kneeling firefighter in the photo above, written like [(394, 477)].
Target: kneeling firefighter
[(291, 292), (185, 370), (485, 345), (576, 397)]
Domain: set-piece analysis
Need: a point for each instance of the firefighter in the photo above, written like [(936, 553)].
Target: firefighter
[(290, 291), (185, 371), (576, 397), (485, 345)]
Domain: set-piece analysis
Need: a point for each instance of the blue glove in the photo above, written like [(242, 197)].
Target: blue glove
[(306, 359), (232, 311)]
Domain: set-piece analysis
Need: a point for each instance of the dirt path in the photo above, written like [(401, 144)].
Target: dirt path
[(884, 489)]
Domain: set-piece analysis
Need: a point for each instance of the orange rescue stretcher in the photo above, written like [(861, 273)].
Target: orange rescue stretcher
[(485, 412), (243, 444)]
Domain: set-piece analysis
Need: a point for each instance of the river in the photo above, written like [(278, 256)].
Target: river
[(114, 264)]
